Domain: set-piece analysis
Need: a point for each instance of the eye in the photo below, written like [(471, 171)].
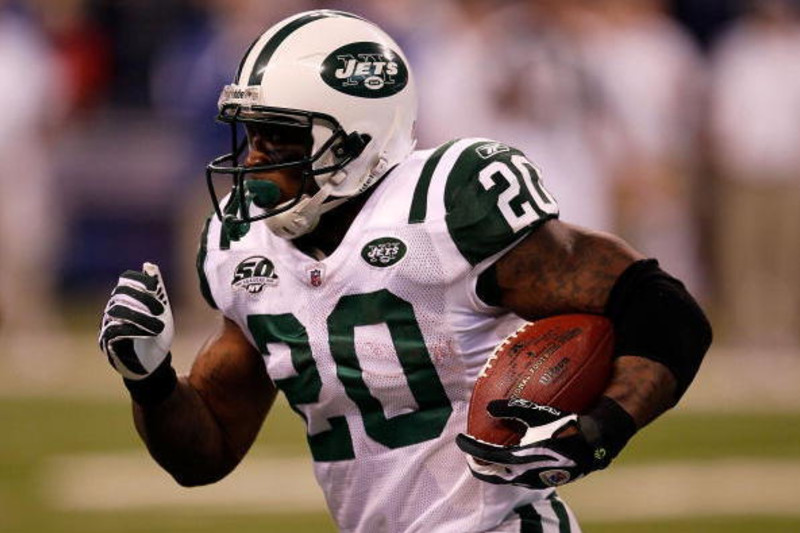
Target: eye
[(278, 135)]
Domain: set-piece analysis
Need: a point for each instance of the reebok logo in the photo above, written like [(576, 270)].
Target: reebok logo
[(521, 402), (233, 94), (485, 151)]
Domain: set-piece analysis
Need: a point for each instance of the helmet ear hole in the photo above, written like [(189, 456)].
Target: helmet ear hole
[(352, 145)]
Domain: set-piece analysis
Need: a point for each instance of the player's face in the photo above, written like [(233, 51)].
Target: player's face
[(270, 144)]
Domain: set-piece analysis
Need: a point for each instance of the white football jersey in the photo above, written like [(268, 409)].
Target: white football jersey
[(378, 346)]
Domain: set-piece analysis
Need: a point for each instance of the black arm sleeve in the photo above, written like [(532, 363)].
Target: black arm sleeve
[(655, 317)]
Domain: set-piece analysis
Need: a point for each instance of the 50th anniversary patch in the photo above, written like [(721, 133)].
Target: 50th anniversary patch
[(253, 274), (365, 69)]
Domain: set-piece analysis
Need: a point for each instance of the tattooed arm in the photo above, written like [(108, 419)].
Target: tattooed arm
[(562, 268), (662, 335), (204, 428)]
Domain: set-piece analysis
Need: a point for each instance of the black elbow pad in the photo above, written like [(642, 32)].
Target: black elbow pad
[(655, 317)]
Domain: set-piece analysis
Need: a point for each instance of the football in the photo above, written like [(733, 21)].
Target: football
[(564, 361)]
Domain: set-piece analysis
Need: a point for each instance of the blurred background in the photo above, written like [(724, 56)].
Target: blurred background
[(675, 124)]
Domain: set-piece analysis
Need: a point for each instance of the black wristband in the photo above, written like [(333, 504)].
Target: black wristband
[(656, 318), (607, 428), (156, 387)]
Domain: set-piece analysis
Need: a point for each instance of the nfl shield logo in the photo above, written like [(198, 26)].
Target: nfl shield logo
[(316, 273), (555, 477), (315, 277)]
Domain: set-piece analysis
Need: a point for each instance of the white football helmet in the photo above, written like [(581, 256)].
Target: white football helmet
[(338, 80)]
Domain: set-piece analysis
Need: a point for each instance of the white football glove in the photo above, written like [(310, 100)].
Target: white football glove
[(549, 455), (541, 459), (137, 328)]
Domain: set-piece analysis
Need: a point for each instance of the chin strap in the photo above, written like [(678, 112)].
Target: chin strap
[(303, 217)]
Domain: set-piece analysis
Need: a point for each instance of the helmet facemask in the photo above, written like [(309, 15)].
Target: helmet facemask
[(312, 145)]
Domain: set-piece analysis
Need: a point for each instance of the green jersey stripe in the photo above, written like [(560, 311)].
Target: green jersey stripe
[(202, 252), (561, 513), (275, 41), (419, 203), (530, 520)]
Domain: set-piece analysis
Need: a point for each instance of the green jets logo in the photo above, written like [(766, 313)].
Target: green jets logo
[(365, 69), (253, 274), (384, 252)]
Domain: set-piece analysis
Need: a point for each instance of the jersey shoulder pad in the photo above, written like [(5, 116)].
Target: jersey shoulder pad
[(489, 194)]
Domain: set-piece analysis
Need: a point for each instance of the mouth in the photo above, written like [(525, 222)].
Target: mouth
[(269, 188), (265, 194)]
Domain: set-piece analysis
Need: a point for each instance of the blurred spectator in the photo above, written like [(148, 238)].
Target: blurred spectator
[(651, 78), (400, 18), (756, 125), (195, 62), (513, 73), (552, 107), (603, 95), (82, 50), (30, 220), (460, 67), (706, 18), (137, 32)]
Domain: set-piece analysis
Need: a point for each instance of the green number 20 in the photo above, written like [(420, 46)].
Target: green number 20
[(351, 311)]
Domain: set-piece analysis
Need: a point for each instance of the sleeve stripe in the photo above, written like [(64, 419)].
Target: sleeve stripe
[(202, 252), (561, 513), (437, 183), (530, 520), (419, 204), (447, 173)]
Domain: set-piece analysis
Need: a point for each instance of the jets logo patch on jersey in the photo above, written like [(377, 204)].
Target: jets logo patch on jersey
[(365, 69), (253, 274), (384, 252)]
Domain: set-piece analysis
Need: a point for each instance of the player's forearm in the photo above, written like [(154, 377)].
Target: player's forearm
[(184, 437), (171, 416), (662, 336), (644, 388)]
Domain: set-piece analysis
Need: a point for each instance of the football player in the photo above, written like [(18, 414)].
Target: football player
[(369, 283)]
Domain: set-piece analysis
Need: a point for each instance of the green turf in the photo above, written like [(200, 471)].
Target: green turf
[(35, 429), (712, 435), (320, 523), (153, 522), (731, 524), (39, 426)]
